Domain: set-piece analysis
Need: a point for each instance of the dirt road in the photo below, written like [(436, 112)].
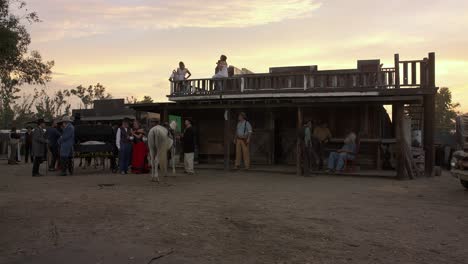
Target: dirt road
[(235, 217)]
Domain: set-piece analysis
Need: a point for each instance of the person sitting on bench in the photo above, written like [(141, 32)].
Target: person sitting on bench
[(336, 160)]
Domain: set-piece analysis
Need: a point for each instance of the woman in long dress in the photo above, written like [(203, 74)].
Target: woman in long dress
[(140, 150), (221, 70)]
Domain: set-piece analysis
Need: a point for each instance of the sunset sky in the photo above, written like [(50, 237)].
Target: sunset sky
[(131, 46)]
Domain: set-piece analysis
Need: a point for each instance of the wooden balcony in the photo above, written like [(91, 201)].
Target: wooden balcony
[(352, 82)]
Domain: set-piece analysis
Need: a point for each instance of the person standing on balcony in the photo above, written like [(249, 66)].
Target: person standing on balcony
[(242, 141), (221, 68), (221, 71), (179, 76)]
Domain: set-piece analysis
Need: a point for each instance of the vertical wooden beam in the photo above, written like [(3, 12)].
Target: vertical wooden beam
[(413, 73), (227, 138), (398, 121), (165, 116), (380, 117), (271, 128), (405, 73), (431, 70), (423, 73), (429, 112), (397, 71), (298, 147)]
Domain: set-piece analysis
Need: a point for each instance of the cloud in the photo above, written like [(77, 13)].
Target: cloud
[(86, 18)]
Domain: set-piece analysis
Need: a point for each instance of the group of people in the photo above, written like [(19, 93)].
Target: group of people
[(182, 73), (131, 143), (313, 140), (58, 140)]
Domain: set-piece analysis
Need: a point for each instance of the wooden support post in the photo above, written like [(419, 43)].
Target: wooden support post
[(271, 130), (397, 71), (398, 126), (227, 138), (429, 112), (165, 116), (298, 147)]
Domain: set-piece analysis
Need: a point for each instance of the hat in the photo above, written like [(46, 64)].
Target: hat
[(66, 119)]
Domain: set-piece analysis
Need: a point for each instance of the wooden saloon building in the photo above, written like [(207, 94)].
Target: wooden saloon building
[(278, 102)]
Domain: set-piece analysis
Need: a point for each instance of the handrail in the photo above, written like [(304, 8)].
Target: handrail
[(404, 74)]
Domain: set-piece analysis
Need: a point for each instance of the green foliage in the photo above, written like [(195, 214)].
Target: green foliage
[(445, 111), (91, 93), (52, 107), (146, 100), (17, 66), (133, 100)]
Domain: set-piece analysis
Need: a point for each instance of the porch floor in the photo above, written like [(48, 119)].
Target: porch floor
[(289, 169)]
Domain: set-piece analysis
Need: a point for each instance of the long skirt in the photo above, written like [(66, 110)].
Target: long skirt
[(140, 158)]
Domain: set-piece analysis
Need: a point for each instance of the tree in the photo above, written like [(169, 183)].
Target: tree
[(445, 110), (88, 95), (146, 100), (17, 66), (51, 107), (133, 100), (22, 109)]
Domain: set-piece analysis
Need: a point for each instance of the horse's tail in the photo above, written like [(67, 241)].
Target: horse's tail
[(161, 145), (152, 143)]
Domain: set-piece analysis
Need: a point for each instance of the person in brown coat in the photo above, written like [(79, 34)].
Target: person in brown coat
[(39, 146)]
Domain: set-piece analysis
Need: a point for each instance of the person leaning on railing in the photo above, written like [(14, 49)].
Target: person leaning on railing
[(221, 71)]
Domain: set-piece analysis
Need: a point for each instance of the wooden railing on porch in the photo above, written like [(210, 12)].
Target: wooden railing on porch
[(405, 74)]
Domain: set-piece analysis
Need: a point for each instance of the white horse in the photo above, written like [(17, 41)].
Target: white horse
[(159, 143)]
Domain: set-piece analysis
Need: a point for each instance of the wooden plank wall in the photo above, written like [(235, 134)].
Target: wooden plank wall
[(210, 127)]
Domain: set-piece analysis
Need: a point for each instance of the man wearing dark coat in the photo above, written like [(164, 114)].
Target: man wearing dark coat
[(53, 135), (66, 141), (39, 146)]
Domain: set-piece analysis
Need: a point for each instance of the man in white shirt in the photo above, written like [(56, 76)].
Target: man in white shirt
[(242, 141), (124, 145)]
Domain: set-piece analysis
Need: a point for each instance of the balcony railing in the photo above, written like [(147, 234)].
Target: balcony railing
[(406, 74)]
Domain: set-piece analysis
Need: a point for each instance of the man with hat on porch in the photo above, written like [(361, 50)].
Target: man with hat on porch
[(39, 146), (242, 141), (66, 141)]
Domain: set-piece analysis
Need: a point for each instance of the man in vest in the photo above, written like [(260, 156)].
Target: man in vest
[(242, 141), (124, 145)]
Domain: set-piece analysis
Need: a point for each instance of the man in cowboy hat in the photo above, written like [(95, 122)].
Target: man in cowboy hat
[(66, 141), (123, 140), (39, 143), (242, 141), (53, 135)]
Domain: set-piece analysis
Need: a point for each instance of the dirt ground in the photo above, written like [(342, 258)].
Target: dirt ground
[(233, 217)]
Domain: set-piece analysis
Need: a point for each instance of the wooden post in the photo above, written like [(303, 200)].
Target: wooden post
[(298, 147), (397, 71), (398, 126), (227, 138), (429, 112), (165, 116), (271, 130)]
